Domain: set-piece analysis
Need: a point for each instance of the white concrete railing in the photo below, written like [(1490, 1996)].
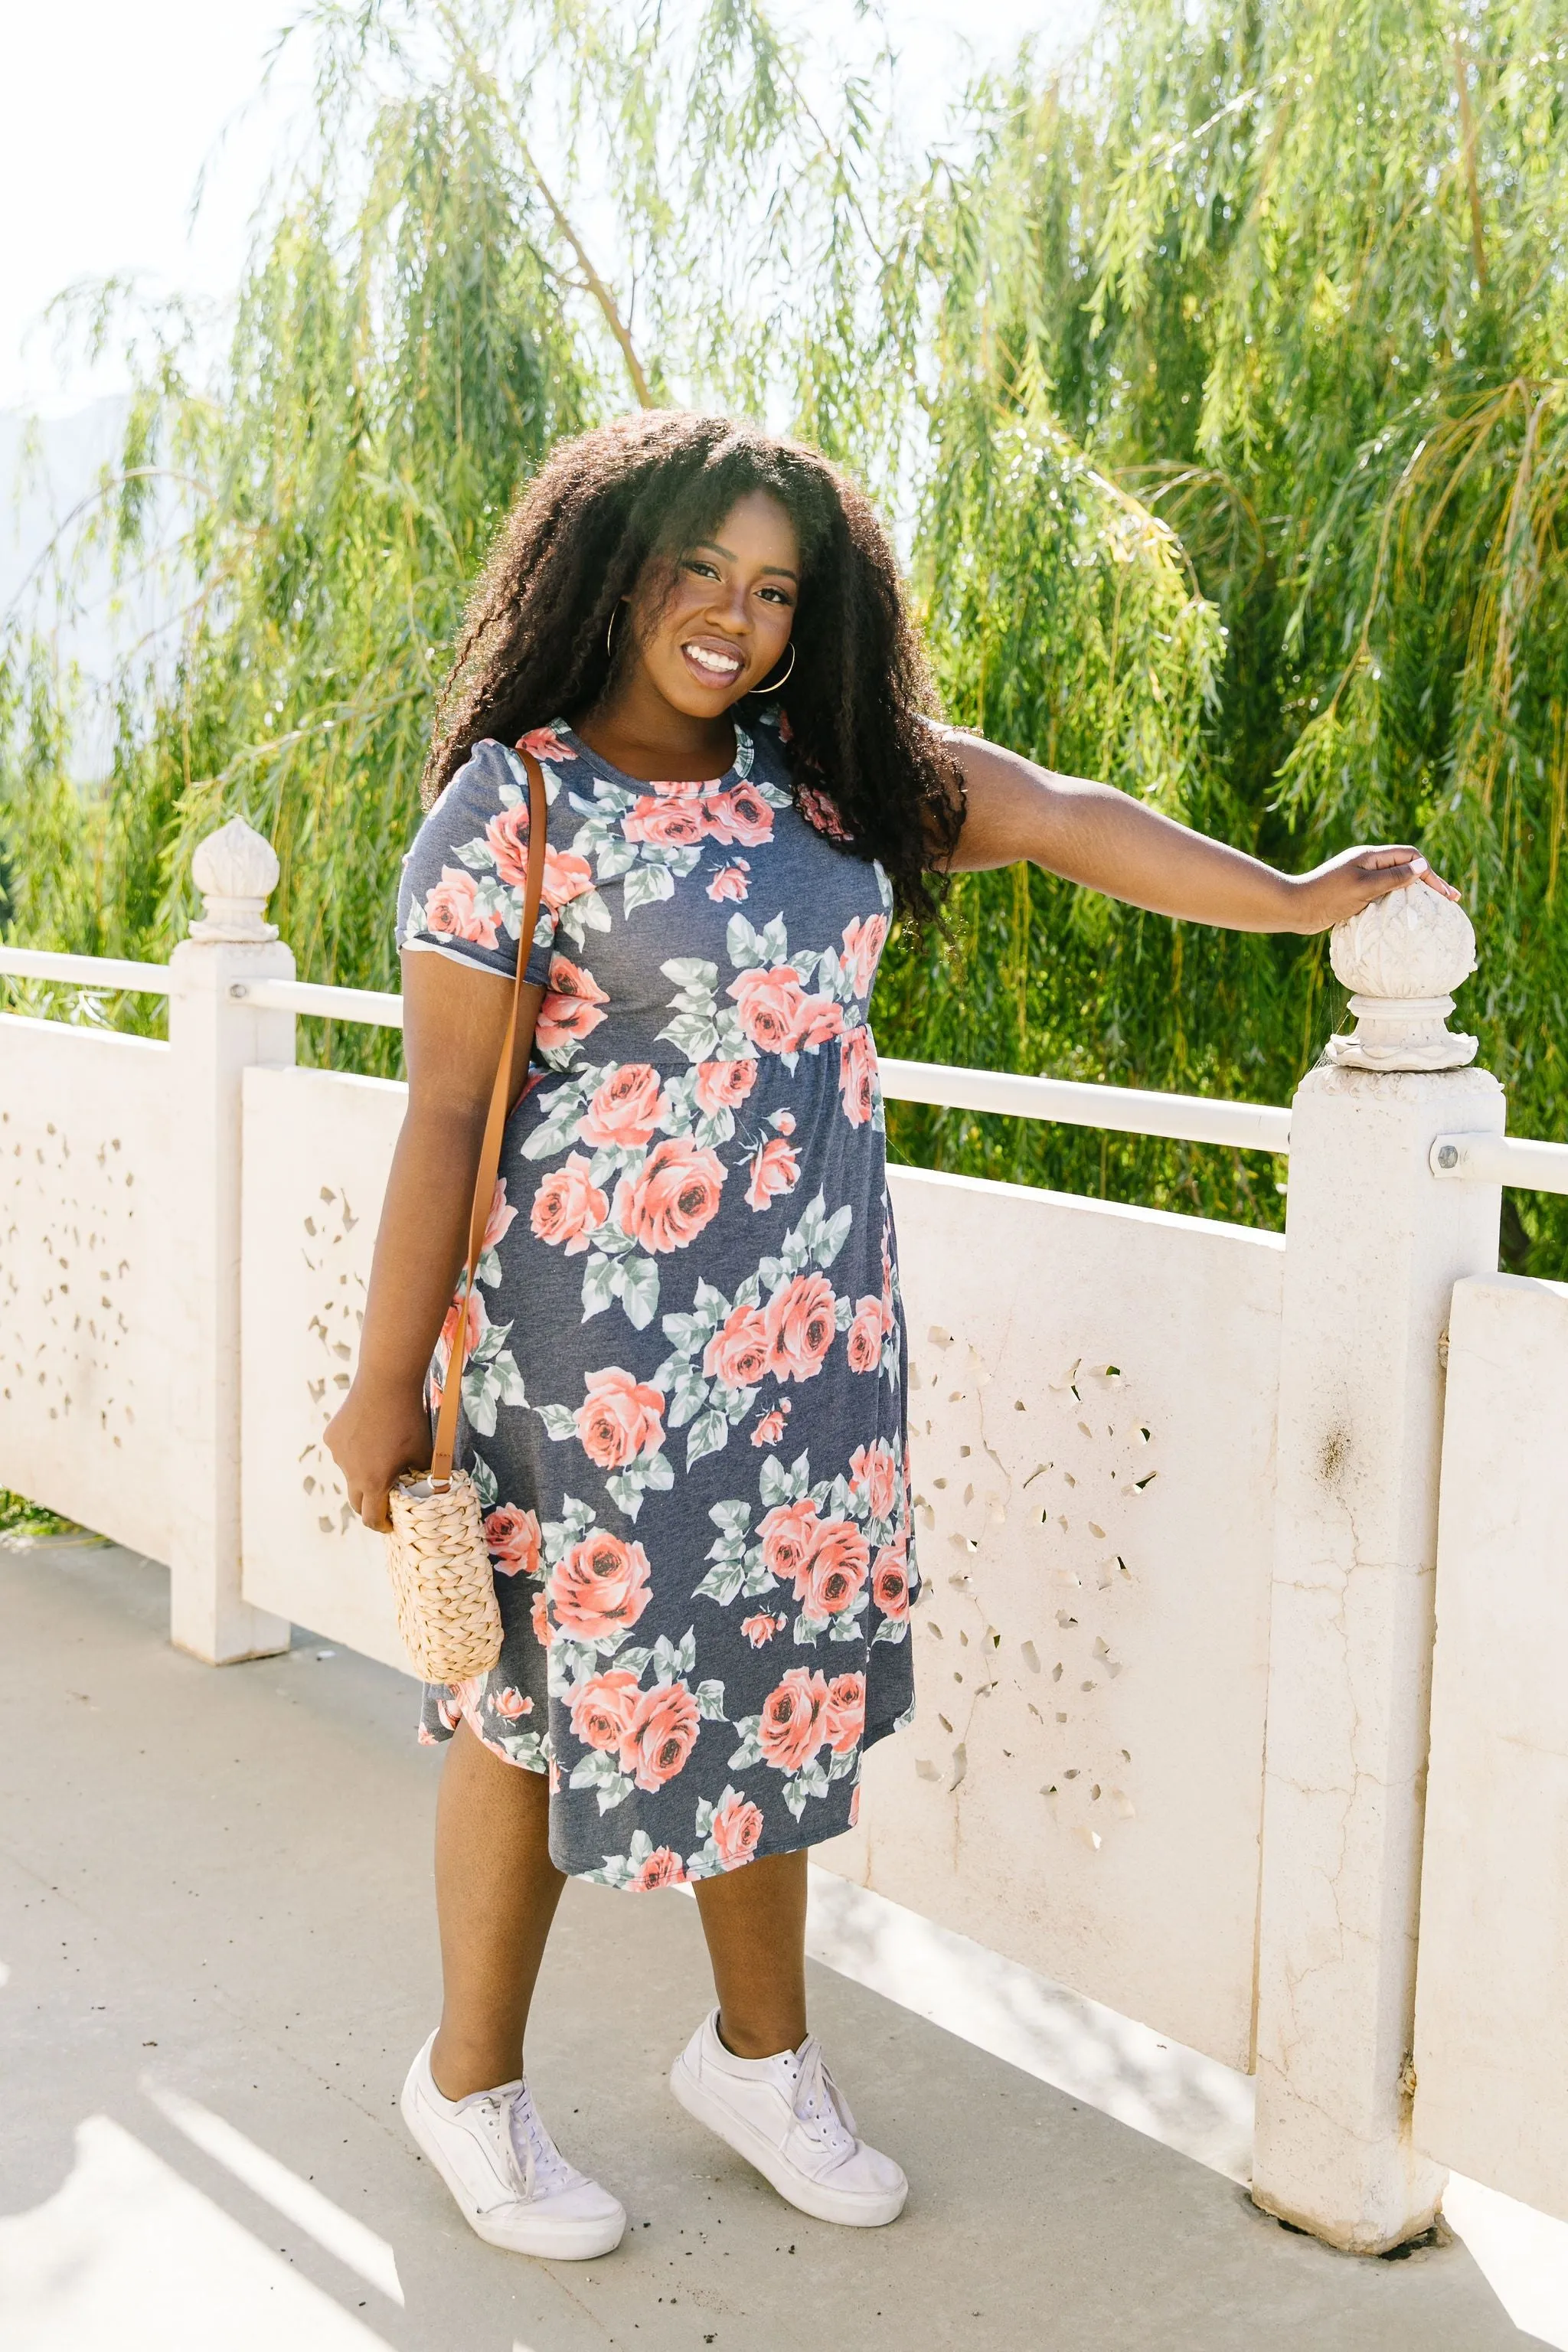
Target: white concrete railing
[(1177, 1490)]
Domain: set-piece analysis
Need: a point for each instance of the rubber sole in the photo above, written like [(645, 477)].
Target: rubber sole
[(546, 2240), (824, 2204)]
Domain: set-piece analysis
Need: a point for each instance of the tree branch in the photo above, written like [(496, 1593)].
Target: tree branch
[(600, 291), (1467, 132)]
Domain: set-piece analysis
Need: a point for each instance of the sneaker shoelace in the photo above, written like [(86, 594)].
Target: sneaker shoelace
[(541, 2167), (820, 2105)]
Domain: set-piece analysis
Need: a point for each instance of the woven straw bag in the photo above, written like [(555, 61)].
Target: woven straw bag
[(442, 1581)]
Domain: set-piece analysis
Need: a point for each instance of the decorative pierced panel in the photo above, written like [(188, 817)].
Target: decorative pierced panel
[(84, 1217), (1091, 1418), (318, 1146)]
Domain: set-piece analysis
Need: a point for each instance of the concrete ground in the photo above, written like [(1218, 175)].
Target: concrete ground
[(218, 1954)]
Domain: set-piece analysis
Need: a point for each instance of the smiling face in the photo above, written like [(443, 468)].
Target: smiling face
[(725, 623)]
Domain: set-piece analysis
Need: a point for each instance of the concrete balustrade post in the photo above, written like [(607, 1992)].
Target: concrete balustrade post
[(1374, 1245), (213, 1035)]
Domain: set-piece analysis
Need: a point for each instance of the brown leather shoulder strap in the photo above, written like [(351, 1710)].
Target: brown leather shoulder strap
[(495, 1126)]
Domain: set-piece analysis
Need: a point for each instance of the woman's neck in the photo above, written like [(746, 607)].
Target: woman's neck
[(635, 730)]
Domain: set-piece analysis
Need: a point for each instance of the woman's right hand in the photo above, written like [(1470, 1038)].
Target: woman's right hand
[(373, 1437)]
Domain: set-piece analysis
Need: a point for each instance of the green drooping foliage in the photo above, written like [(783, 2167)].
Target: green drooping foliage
[(1219, 382)]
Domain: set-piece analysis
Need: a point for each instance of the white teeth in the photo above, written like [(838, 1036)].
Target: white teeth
[(712, 661)]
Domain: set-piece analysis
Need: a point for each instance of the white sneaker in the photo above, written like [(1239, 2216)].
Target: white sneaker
[(788, 2117), (512, 2185)]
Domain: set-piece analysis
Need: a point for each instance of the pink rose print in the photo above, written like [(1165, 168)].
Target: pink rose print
[(736, 1354), (760, 1629), (736, 1826), (729, 882), (874, 1473), (863, 1340), (790, 1729), (570, 1010), (479, 1323), (665, 824), (511, 1704), (857, 1075), (832, 1578), (855, 1805), (542, 1632), (821, 1020), (822, 814), (449, 910), (801, 1326), (740, 815), (772, 1006), (891, 1581), (843, 1717), (603, 1707), (674, 1195), (600, 1585), (789, 1535), (774, 1169), (545, 745), (662, 1868), (619, 1419), (862, 945), (660, 1736), (569, 1206), (498, 1223), (624, 1109), (566, 876), (511, 1538), (721, 1086), (785, 1122), (771, 1427)]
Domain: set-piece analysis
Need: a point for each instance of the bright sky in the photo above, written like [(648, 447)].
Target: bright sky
[(109, 113)]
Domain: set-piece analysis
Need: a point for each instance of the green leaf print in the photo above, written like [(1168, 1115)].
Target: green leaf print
[(559, 1420), (600, 1281), (750, 1749), (639, 1291), (696, 1034), (692, 972), (723, 1582), (710, 1702), (645, 885), (709, 1433), (599, 1771)]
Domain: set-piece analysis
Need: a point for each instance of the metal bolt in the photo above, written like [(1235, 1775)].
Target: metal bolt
[(237, 988), (1449, 1156)]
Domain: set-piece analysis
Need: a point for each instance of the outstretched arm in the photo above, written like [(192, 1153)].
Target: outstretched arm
[(1094, 835)]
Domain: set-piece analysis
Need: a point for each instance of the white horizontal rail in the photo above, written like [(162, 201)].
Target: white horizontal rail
[(369, 1006), (1125, 1110), (106, 972), (1500, 1160), (1189, 1118)]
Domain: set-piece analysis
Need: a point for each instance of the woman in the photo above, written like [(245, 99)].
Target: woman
[(684, 1402)]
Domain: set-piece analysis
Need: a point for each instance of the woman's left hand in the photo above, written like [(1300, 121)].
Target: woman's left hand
[(1332, 893)]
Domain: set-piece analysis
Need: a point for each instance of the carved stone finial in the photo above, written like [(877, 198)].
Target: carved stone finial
[(1402, 955), (235, 870)]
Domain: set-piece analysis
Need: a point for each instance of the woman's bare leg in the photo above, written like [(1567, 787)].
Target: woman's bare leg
[(496, 1893), (755, 1921)]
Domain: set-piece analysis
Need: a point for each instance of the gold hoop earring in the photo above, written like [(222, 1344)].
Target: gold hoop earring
[(771, 685), (610, 629)]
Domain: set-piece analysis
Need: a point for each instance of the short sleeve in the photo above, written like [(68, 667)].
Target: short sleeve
[(466, 877)]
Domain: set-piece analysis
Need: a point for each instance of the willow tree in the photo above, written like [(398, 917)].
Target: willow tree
[(1217, 384), (1294, 274)]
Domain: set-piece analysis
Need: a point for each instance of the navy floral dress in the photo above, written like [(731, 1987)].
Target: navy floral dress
[(684, 1399)]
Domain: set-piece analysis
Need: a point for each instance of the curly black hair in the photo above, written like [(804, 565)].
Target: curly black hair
[(584, 532)]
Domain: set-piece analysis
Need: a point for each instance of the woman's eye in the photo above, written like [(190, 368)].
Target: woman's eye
[(776, 596), (707, 571)]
